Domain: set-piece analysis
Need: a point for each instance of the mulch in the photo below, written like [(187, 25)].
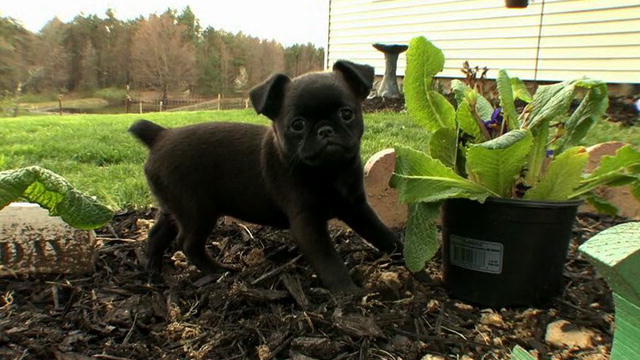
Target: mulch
[(275, 308)]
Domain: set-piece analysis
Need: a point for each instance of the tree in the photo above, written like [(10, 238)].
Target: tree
[(162, 58), (15, 62), (300, 59)]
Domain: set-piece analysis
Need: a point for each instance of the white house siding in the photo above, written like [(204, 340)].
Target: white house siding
[(595, 38)]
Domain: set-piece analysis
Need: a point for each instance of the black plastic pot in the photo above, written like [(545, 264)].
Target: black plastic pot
[(517, 3), (505, 252)]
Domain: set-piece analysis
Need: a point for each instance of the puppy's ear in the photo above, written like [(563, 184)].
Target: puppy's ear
[(267, 97), (359, 77)]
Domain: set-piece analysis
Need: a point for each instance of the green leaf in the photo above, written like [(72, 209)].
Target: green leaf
[(496, 164), (460, 90), (538, 153), (439, 112), (519, 353), (52, 192), (468, 122), (419, 177), (551, 101), (425, 106), (562, 178), (613, 170), (625, 157), (602, 205), (483, 108), (443, 146), (473, 111), (506, 99), (520, 90), (421, 237), (591, 109)]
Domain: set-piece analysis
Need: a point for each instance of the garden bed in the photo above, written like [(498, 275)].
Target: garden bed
[(274, 308)]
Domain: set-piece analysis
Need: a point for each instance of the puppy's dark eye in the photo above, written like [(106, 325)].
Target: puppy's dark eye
[(346, 114), (297, 125)]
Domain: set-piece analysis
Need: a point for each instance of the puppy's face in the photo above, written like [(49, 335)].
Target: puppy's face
[(317, 117)]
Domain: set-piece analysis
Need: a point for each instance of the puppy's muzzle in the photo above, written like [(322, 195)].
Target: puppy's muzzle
[(325, 132)]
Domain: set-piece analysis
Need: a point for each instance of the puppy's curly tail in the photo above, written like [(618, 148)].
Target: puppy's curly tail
[(146, 131)]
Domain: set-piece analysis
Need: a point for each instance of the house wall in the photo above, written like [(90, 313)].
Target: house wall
[(595, 38)]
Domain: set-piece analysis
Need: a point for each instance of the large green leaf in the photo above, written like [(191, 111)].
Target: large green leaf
[(538, 153), (496, 164), (562, 178), (460, 90), (52, 192), (439, 112), (591, 109), (473, 111), (520, 90), (468, 122), (421, 237), (602, 205), (484, 108), (443, 146), (551, 101), (506, 100), (519, 353), (419, 177), (426, 107), (619, 169)]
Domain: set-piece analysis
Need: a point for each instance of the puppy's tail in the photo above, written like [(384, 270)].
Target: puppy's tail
[(146, 131)]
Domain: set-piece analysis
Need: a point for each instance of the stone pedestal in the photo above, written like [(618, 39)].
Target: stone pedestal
[(389, 86)]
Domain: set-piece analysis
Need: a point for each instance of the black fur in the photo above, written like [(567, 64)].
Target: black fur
[(290, 175)]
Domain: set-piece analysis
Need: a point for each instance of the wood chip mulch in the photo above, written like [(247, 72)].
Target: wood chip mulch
[(275, 308)]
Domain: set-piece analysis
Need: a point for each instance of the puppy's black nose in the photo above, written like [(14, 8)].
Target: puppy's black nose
[(325, 132)]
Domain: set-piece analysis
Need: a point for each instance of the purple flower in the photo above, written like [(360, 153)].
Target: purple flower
[(550, 153), (495, 124), (497, 117)]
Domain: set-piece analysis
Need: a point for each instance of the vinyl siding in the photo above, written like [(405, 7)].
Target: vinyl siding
[(595, 38)]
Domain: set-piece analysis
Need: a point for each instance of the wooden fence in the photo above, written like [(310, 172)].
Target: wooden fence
[(133, 105)]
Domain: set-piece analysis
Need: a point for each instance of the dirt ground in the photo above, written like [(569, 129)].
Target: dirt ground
[(275, 308)]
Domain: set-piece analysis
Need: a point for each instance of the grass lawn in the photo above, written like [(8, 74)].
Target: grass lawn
[(98, 156)]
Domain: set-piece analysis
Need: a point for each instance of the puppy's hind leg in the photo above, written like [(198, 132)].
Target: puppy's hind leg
[(193, 237), (163, 232)]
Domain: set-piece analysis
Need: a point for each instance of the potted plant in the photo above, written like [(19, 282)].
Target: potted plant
[(508, 183), (516, 4)]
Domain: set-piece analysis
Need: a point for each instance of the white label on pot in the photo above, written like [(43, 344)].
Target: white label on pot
[(477, 255)]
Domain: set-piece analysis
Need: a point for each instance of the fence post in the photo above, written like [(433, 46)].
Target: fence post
[(219, 97), (160, 106), (140, 104), (60, 104)]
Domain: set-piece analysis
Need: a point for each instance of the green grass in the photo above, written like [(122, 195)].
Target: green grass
[(98, 156)]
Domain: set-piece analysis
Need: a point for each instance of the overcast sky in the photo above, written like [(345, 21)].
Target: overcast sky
[(287, 21)]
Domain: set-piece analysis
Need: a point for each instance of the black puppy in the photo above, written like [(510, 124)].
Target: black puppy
[(302, 171)]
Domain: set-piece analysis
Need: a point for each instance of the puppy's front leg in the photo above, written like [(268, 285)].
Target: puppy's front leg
[(313, 239), (362, 219)]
